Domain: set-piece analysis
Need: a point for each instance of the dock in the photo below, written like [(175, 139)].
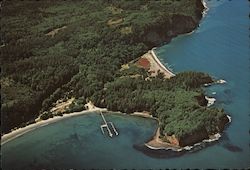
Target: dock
[(106, 125), (113, 127)]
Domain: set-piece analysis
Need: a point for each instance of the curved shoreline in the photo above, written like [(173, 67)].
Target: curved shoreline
[(21, 131), (155, 65), (204, 13), (160, 63), (166, 70)]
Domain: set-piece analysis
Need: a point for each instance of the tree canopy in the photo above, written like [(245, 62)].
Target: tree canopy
[(62, 49)]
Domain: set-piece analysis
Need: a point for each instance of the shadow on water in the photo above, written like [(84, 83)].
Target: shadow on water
[(167, 154), (227, 91), (225, 98), (74, 137), (160, 153), (226, 144), (232, 148), (35, 165)]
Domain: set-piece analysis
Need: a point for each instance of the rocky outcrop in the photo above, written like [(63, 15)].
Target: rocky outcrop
[(195, 137), (199, 7), (169, 28), (222, 123), (198, 135), (202, 101)]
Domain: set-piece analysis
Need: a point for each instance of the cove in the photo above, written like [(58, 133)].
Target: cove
[(219, 47)]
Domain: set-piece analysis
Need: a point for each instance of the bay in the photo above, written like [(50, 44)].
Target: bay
[(220, 47)]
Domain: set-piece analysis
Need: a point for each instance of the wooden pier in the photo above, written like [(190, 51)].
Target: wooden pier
[(106, 125)]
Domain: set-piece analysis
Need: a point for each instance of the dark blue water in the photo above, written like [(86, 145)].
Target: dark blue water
[(219, 47)]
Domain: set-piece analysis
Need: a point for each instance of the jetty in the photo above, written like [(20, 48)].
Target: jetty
[(109, 126)]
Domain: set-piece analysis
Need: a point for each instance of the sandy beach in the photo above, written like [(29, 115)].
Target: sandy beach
[(157, 143), (143, 114), (156, 65), (40, 123), (21, 131)]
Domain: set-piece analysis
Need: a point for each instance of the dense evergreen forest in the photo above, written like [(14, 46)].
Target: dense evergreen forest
[(60, 49)]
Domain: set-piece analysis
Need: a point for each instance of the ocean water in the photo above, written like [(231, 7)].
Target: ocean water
[(220, 47)]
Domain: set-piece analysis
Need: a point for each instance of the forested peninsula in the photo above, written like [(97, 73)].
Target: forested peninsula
[(89, 51)]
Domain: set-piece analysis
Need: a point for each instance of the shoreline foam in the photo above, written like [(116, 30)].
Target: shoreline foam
[(210, 101), (220, 81), (204, 13), (206, 8)]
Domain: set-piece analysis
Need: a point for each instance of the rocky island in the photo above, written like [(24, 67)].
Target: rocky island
[(90, 51)]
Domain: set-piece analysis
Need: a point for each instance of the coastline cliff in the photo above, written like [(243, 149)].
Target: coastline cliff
[(157, 35), (162, 31), (199, 135)]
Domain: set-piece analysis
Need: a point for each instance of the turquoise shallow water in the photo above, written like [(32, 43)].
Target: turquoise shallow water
[(79, 143), (220, 47)]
